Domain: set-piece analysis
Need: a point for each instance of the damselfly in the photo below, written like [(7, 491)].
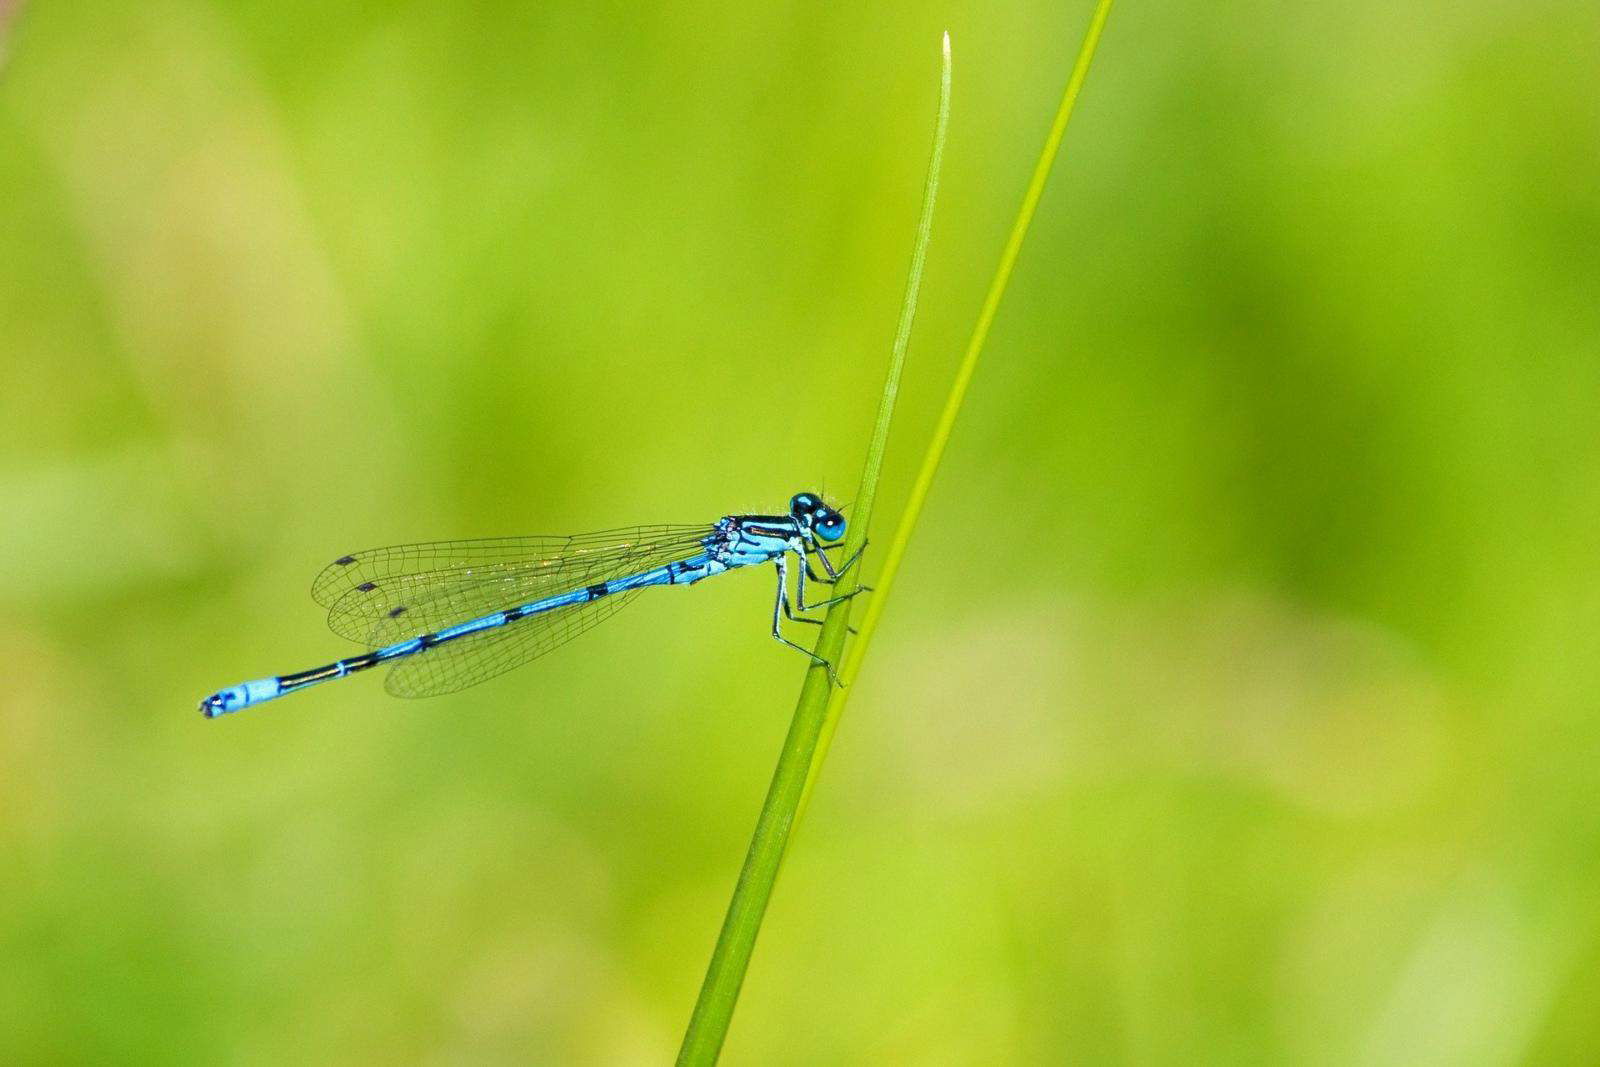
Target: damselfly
[(451, 614)]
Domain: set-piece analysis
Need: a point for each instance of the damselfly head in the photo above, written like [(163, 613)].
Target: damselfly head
[(825, 522)]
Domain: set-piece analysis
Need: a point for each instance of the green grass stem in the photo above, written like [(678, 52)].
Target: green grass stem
[(713, 1011), (884, 582)]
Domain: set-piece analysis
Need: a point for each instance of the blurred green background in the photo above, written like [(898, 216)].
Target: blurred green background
[(1238, 700)]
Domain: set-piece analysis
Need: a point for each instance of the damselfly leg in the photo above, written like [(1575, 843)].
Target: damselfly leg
[(834, 574), (800, 589), (792, 616), (781, 606)]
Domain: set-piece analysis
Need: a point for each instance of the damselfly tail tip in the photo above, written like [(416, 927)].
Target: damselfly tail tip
[(221, 703), (240, 696)]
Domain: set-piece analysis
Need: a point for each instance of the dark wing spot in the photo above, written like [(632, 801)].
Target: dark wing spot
[(397, 612), (367, 587), (344, 561)]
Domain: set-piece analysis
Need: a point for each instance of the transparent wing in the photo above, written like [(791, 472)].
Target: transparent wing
[(466, 661), (469, 660), (403, 590)]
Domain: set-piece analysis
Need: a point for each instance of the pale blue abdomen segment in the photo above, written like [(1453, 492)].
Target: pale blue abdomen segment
[(240, 696)]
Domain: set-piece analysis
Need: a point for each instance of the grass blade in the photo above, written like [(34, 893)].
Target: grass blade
[(708, 1026), (884, 582)]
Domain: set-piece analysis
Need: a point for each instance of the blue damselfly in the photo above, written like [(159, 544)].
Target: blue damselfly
[(450, 614)]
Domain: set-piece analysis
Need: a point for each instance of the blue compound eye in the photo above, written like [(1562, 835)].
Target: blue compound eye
[(831, 529)]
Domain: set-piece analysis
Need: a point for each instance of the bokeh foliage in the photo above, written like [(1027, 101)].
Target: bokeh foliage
[(1238, 703)]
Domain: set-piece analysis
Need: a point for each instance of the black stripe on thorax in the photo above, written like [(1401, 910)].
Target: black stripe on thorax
[(770, 528)]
